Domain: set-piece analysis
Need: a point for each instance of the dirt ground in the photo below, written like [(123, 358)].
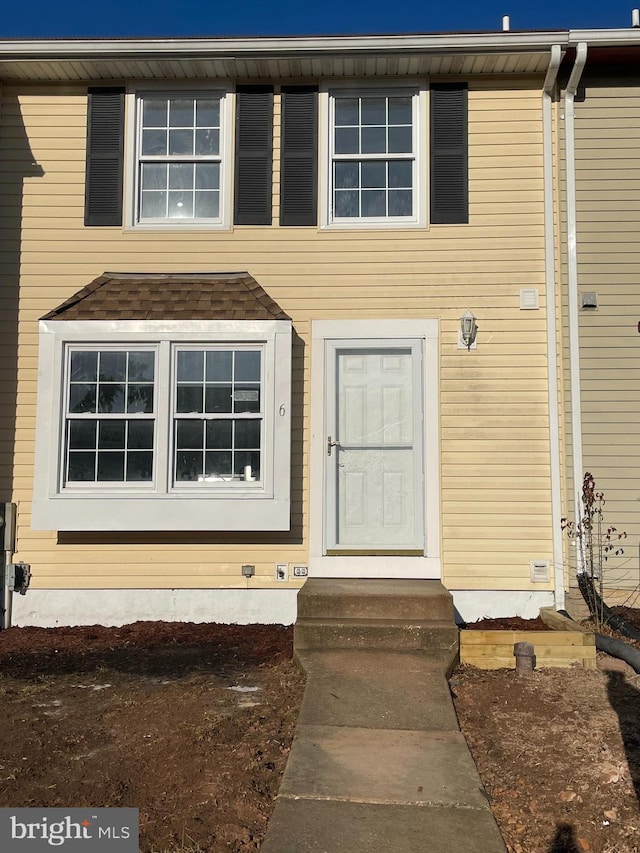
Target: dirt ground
[(166, 717), (558, 752), (192, 724)]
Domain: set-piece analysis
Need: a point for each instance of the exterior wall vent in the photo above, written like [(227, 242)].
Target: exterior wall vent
[(529, 299), (539, 571)]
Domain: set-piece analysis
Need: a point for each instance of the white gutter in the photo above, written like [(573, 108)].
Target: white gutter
[(552, 331), (510, 42), (572, 284)]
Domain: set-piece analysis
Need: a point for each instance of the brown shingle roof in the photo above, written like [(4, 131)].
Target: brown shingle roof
[(170, 296)]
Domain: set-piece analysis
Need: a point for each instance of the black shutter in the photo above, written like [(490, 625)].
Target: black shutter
[(299, 156), (105, 147), (449, 154), (254, 155)]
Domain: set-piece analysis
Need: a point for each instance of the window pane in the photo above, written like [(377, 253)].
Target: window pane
[(153, 205), (219, 435), (207, 113), (154, 176), (154, 112), (400, 140), (190, 366), (207, 176), (189, 465), (346, 140), (189, 398), (180, 205), (400, 111), (374, 140), (374, 175), (154, 142), (111, 435), (247, 366), (246, 398), (111, 398), (181, 112), (218, 398), (180, 142), (84, 366), (111, 466), (82, 467), (374, 203), (141, 366), (207, 204), (140, 399), (82, 398), (400, 203), (248, 434), (346, 174), (113, 367), (347, 203), (346, 111), (219, 363), (180, 176), (207, 141), (400, 173), (139, 466), (219, 464), (140, 435), (82, 435), (374, 110), (247, 459), (189, 435)]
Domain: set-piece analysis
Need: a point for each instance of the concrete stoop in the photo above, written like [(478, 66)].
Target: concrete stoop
[(378, 762), (404, 615)]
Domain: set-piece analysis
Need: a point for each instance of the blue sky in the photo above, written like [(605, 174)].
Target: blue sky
[(66, 18)]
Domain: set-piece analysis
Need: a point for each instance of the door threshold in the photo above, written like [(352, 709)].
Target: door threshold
[(373, 552)]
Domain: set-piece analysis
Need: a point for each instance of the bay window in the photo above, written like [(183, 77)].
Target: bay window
[(168, 426)]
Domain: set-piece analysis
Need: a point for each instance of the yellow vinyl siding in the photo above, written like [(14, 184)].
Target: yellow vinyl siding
[(607, 130), (494, 440)]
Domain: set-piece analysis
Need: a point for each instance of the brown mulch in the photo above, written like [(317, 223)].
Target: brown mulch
[(558, 752), (507, 623), (143, 716), (192, 724)]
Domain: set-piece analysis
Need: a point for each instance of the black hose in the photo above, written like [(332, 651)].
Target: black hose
[(602, 612), (619, 649)]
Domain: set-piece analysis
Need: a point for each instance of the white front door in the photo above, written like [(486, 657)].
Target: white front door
[(374, 455), (374, 462)]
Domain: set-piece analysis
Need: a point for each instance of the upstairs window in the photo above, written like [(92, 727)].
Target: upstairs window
[(180, 158), (375, 153)]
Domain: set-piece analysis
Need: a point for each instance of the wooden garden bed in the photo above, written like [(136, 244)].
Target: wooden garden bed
[(569, 644)]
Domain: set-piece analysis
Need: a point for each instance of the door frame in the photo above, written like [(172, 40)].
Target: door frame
[(321, 564)]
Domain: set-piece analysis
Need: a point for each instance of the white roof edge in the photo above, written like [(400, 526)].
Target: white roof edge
[(602, 38), (507, 42)]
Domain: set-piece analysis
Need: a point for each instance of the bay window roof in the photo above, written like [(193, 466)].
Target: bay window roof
[(170, 296)]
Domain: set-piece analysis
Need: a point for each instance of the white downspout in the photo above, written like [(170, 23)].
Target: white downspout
[(552, 348), (572, 283)]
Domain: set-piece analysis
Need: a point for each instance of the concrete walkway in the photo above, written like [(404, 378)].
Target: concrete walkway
[(378, 763)]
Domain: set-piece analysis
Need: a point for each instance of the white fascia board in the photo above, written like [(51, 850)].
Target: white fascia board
[(602, 38), (498, 42)]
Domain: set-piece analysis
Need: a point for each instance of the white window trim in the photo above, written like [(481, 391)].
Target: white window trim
[(323, 565), (226, 93), (419, 89), (263, 505)]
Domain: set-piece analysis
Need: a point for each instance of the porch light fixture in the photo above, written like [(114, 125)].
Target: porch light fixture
[(468, 329)]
